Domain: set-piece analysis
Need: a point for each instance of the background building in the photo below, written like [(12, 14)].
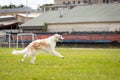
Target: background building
[(90, 18), (8, 24), (69, 4)]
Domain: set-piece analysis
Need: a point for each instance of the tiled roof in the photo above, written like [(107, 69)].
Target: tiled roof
[(7, 20), (15, 10), (90, 13)]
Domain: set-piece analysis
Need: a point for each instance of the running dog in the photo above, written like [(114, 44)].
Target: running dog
[(47, 45)]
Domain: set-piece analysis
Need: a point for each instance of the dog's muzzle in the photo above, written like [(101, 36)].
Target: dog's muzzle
[(61, 39)]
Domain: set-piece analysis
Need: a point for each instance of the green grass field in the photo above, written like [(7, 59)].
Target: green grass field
[(79, 64)]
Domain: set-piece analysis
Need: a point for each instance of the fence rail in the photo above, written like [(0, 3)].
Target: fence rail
[(21, 39)]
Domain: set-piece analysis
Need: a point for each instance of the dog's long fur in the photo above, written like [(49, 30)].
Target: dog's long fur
[(47, 45)]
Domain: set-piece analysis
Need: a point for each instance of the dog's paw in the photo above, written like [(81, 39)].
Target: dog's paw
[(62, 57), (13, 52)]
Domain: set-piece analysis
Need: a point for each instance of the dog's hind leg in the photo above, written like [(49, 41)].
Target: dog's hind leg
[(24, 58), (33, 58)]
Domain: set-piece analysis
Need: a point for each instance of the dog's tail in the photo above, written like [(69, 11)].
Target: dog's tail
[(19, 52)]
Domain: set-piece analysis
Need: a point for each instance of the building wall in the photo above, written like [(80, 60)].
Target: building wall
[(84, 27), (68, 4)]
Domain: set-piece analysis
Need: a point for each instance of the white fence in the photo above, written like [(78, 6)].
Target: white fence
[(5, 38), (8, 41), (20, 35)]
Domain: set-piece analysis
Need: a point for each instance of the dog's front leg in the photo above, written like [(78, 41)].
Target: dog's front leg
[(54, 52)]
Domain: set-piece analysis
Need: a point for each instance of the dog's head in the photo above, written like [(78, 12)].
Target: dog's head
[(58, 37)]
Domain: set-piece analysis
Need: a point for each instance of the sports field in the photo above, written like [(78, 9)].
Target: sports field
[(79, 64)]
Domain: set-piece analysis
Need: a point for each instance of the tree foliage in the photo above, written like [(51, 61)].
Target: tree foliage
[(44, 5), (12, 6)]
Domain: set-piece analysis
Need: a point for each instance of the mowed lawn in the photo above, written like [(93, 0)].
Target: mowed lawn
[(79, 64)]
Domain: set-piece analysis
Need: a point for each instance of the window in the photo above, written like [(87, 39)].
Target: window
[(64, 3), (53, 8), (73, 2), (107, 1), (68, 2), (103, 1), (78, 2), (85, 1)]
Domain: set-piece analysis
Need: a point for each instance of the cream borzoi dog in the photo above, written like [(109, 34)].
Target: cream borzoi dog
[(47, 45)]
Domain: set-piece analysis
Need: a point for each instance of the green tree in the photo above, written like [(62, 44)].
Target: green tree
[(21, 6), (44, 5), (12, 6), (4, 7)]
